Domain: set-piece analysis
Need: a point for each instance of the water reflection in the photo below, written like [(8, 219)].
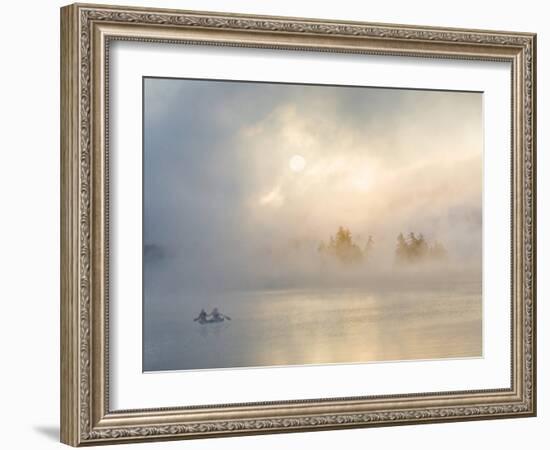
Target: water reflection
[(274, 328)]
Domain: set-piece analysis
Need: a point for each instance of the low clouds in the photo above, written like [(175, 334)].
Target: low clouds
[(220, 193)]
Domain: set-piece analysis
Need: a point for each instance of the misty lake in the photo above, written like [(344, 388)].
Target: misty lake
[(309, 326), (325, 222)]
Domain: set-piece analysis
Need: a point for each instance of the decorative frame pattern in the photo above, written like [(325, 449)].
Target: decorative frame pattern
[(86, 31)]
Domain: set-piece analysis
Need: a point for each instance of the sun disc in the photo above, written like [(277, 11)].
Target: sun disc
[(297, 163)]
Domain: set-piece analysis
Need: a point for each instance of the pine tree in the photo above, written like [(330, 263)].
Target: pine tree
[(368, 246), (402, 249)]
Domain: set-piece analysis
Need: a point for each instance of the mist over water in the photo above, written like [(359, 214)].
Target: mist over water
[(308, 326), (334, 315)]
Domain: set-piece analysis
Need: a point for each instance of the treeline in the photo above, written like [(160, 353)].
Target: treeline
[(415, 248), (411, 249), (342, 247)]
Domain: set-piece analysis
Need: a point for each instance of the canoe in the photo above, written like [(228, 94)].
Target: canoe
[(213, 320)]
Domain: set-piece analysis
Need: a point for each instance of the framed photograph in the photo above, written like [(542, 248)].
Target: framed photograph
[(273, 224)]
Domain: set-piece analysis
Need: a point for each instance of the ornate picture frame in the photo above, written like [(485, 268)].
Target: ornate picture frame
[(87, 31)]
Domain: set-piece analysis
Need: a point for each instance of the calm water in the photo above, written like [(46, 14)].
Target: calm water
[(313, 327)]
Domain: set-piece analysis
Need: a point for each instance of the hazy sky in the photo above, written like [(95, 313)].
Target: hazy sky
[(237, 172)]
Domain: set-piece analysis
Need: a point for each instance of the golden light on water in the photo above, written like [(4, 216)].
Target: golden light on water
[(297, 163)]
